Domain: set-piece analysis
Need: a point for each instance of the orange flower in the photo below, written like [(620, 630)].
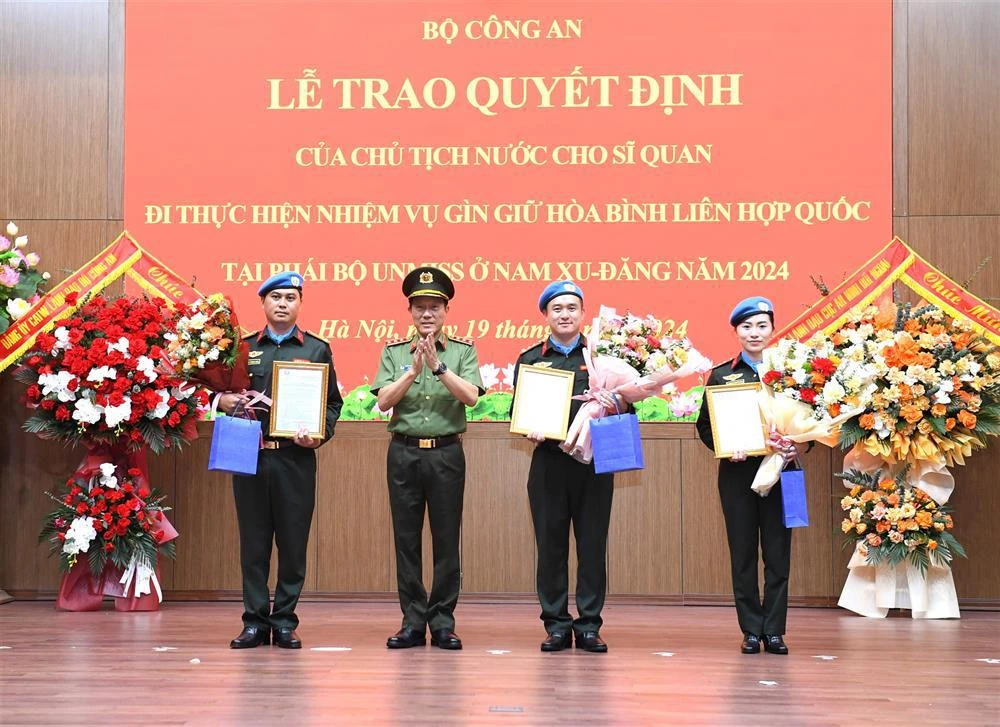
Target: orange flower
[(224, 344), (968, 420), (834, 410), (911, 413), (949, 423), (935, 329), (867, 421), (931, 545), (883, 526), (939, 410), (818, 378), (887, 485), (924, 519), (961, 340), (903, 353), (912, 326), (874, 540), (893, 499), (926, 360), (886, 317), (867, 496)]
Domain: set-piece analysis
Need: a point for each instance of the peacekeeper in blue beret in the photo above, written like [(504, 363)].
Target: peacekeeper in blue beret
[(276, 505), (753, 521), (427, 380), (562, 490)]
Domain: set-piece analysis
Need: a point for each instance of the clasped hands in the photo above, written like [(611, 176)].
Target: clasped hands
[(425, 354), (788, 449)]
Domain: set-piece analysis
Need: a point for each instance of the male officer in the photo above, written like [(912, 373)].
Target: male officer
[(277, 503), (427, 381), (753, 521), (562, 490)]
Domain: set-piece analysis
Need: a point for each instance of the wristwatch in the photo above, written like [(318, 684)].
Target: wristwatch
[(441, 368)]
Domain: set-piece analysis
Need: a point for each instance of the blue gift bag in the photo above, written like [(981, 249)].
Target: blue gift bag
[(616, 442), (235, 445), (793, 498)]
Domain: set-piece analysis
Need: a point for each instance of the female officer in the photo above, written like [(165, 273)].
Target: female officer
[(750, 518)]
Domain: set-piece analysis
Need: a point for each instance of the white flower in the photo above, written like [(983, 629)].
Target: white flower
[(108, 478), (147, 366), (17, 307), (120, 345), (11, 229), (855, 514), (115, 415), (490, 375), (57, 384), (944, 389), (62, 339), (86, 412), (32, 259), (201, 361), (213, 355), (99, 373), (162, 408), (79, 536), (833, 392), (508, 374), (799, 375), (46, 276), (197, 321), (20, 242)]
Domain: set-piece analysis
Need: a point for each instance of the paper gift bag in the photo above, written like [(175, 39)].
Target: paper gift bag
[(793, 498), (235, 445), (617, 447)]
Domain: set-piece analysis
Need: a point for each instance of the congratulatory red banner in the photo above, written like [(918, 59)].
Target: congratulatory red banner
[(672, 158)]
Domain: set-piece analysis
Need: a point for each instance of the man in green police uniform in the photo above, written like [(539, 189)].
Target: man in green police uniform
[(427, 381), (276, 505)]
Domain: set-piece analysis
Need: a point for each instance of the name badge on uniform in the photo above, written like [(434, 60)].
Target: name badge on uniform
[(255, 354), (733, 378)]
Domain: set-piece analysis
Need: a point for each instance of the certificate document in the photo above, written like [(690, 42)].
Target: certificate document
[(298, 398), (541, 401), (737, 423)]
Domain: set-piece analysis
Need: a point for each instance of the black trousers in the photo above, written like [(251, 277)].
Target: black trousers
[(430, 481), (754, 522), (275, 506), (563, 491)]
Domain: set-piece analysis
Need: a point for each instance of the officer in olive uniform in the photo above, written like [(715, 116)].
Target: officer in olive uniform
[(562, 490), (752, 520), (276, 504), (427, 381)]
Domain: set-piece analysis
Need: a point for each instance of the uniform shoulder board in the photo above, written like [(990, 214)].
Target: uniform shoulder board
[(534, 345), (396, 341), (314, 335), (460, 339), (251, 334)]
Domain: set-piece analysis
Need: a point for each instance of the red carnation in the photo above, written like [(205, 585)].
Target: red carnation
[(772, 377), (34, 393), (653, 341), (824, 366), (808, 395), (81, 508), (48, 405), (109, 547), (144, 493), (140, 516), (72, 297), (109, 534), (174, 419)]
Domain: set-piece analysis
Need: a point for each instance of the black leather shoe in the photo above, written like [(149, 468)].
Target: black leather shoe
[(405, 638), (252, 636), (591, 641), (774, 644), (286, 638), (751, 644), (446, 639), (557, 641)]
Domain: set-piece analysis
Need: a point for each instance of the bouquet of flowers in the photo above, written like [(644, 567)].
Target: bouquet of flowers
[(814, 374), (20, 281), (889, 522), (205, 346), (111, 516), (98, 378), (633, 357), (938, 385)]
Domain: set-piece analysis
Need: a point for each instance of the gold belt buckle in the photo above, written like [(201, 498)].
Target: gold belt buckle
[(426, 444), (269, 444)]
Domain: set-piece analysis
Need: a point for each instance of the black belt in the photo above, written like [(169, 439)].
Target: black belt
[(276, 443), (427, 443)]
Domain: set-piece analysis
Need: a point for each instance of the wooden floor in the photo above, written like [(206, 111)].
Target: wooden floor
[(666, 665)]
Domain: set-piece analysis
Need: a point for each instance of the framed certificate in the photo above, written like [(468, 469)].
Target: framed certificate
[(737, 422), (298, 398), (541, 401)]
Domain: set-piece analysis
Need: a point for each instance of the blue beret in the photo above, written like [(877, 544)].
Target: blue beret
[(284, 279), (750, 307), (557, 288)]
